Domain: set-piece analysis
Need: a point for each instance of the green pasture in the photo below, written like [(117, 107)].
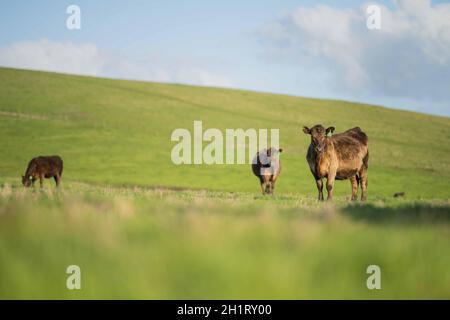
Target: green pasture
[(141, 227)]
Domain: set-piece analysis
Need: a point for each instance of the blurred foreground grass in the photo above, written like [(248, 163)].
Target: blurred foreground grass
[(171, 244)]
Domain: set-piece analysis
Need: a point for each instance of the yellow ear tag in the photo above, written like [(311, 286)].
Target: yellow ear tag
[(31, 177)]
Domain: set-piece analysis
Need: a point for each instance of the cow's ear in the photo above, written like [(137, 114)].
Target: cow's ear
[(306, 130), (330, 129)]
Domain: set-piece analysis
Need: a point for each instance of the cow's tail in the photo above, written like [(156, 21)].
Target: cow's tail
[(366, 160)]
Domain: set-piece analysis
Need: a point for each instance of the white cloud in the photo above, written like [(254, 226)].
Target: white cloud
[(53, 56), (409, 57), (163, 68), (87, 59)]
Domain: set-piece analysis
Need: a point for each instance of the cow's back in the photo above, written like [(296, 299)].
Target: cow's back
[(46, 165), (357, 134), (350, 148)]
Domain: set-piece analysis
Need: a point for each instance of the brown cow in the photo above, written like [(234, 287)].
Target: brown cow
[(266, 165), (341, 156), (43, 167)]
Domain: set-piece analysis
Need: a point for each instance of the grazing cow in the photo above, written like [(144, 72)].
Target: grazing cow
[(43, 167), (266, 165), (341, 156)]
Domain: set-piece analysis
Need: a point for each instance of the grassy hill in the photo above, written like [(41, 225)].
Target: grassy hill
[(210, 234), (118, 132)]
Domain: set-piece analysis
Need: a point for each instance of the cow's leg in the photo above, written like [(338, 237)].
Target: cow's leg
[(268, 187), (57, 179), (319, 184), (272, 185), (364, 183), (41, 181), (354, 183), (330, 183), (263, 188), (263, 184)]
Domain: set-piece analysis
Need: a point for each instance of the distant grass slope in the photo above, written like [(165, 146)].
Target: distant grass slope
[(118, 132)]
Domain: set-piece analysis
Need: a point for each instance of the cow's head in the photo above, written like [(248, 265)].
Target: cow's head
[(27, 180), (273, 152), (269, 158), (318, 136)]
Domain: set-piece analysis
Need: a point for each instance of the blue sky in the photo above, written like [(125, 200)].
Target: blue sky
[(260, 45)]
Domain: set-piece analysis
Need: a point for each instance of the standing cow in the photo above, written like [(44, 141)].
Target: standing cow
[(266, 165), (341, 156), (43, 167)]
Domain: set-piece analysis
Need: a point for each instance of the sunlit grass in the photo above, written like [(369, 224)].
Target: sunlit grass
[(156, 243)]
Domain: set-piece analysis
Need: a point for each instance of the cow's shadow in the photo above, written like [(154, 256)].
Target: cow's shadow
[(406, 214)]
